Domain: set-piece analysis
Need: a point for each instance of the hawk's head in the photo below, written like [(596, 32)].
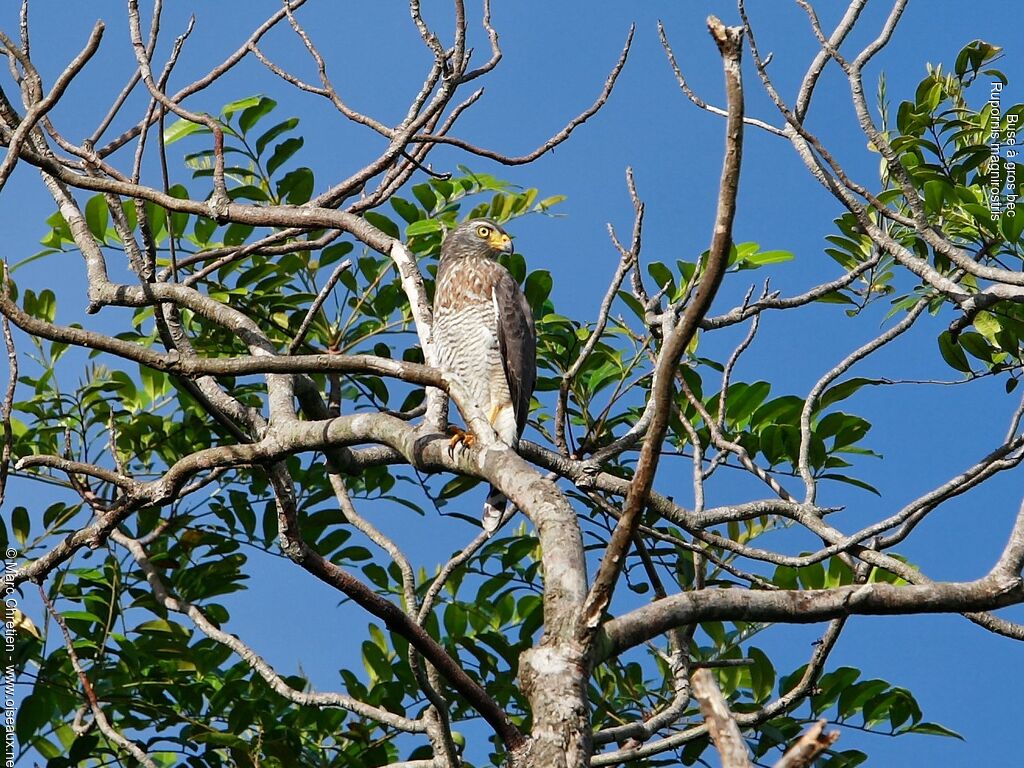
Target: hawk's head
[(476, 237)]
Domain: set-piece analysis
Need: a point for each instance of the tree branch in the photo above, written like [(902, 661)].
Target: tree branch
[(729, 41), (808, 606), (725, 733), (99, 717)]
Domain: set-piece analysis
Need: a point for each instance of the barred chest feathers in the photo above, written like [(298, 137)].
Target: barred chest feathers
[(466, 338)]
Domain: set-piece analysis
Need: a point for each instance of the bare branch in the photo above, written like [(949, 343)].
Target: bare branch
[(697, 100), (556, 139), (779, 706), (6, 406), (328, 89), (220, 192), (133, 80), (174, 363), (627, 260), (806, 606), (396, 620), (842, 367), (741, 313), (842, 30), (729, 44), (725, 733), (210, 77), (249, 656), (317, 303), (39, 109), (90, 695)]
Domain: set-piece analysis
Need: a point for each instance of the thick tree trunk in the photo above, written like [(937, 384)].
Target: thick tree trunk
[(554, 678)]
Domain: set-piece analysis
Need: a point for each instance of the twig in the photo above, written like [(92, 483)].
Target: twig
[(627, 259), (842, 30), (729, 41), (220, 197), (842, 367), (697, 100), (557, 138), (779, 706), (210, 77), (39, 109), (394, 617), (190, 366), (328, 88), (734, 358), (7, 406), (133, 80), (90, 695), (257, 663)]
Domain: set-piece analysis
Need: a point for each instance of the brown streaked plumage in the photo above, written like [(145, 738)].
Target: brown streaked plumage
[(484, 335)]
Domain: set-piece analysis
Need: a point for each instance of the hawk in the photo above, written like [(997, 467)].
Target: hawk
[(484, 336)]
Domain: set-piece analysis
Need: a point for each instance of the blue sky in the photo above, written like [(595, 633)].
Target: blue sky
[(557, 56)]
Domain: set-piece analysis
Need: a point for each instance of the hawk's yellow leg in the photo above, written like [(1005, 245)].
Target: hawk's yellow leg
[(459, 437), (466, 437)]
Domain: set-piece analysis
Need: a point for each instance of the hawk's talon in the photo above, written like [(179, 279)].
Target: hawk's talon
[(459, 436)]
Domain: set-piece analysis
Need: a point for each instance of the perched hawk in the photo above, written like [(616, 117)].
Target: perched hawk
[(484, 335)]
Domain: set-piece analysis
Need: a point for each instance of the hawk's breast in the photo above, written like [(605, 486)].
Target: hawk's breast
[(466, 334)]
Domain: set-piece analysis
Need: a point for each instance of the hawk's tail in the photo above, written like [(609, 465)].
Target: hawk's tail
[(494, 509)]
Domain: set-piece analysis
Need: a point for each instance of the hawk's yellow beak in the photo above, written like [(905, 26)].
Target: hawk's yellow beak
[(499, 241)]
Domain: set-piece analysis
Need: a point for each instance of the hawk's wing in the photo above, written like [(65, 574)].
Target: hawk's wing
[(517, 342)]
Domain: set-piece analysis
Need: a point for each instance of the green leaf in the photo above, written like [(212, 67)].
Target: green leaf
[(841, 391), (743, 399), (455, 622), (154, 383), (762, 674), (20, 524), (296, 187), (662, 276), (423, 227), (830, 688), (236, 233), (1011, 225), (933, 729), (179, 129), (987, 325), (158, 625), (383, 223), (252, 115), (976, 346), (376, 662), (853, 697), (86, 616), (537, 289), (333, 253), (952, 353), (232, 107), (203, 229), (282, 153), (406, 210), (934, 194), (812, 576), (426, 196), (765, 257), (283, 127), (97, 216), (852, 481), (549, 202)]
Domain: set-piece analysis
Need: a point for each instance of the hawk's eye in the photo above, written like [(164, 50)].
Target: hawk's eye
[(483, 231)]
